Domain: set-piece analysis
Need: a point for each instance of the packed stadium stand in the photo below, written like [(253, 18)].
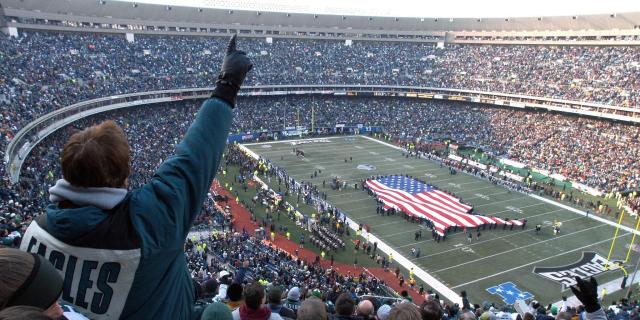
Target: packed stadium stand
[(558, 95)]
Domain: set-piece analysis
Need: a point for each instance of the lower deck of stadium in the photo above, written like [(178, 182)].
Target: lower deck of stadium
[(479, 266)]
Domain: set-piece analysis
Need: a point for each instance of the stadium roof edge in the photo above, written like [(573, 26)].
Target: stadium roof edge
[(176, 14)]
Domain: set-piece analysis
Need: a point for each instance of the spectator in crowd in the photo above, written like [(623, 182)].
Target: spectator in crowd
[(345, 308), (29, 280), (23, 313), (275, 304), (216, 311), (312, 309), (293, 299), (365, 310), (383, 312), (234, 295), (406, 311), (140, 235), (431, 310), (253, 308)]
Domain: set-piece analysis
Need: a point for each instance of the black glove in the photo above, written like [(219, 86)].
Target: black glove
[(587, 293), (232, 73)]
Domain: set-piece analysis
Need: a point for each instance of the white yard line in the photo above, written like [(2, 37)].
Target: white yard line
[(494, 202), (534, 262), (583, 213), (491, 239), (516, 249), (288, 141), (428, 278), (489, 195), (488, 239)]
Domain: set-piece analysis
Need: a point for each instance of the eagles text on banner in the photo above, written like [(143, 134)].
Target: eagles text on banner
[(425, 201)]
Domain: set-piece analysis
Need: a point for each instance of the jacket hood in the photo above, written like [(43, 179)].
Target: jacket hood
[(69, 224)]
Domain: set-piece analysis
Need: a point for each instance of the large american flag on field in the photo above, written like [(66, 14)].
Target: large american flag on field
[(425, 201)]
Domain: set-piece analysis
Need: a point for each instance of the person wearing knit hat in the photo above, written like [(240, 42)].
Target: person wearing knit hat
[(383, 312), (29, 280), (217, 311), (293, 299), (554, 310)]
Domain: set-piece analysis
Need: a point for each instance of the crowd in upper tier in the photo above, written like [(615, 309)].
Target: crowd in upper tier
[(45, 71)]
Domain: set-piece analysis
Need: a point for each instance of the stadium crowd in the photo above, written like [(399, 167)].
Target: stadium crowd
[(48, 71), (578, 148)]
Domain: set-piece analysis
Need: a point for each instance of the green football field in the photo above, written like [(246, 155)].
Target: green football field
[(497, 258)]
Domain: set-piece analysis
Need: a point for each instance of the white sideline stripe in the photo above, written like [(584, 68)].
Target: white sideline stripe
[(583, 213), (434, 283), (534, 262)]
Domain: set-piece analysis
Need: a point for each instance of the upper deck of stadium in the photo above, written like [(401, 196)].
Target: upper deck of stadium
[(141, 18)]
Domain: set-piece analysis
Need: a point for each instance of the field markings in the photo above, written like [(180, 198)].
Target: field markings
[(555, 203), (487, 239), (494, 202), (582, 213), (287, 141), (527, 231), (430, 164), (534, 262), (518, 248), (425, 277), (337, 161), (482, 197)]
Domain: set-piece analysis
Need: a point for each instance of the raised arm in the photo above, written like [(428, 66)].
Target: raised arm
[(163, 210)]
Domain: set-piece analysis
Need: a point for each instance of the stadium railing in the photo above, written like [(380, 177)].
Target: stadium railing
[(34, 132)]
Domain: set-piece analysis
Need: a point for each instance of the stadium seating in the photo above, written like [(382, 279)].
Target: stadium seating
[(48, 71)]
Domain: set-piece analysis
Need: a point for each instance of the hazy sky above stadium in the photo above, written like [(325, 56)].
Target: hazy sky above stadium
[(424, 8)]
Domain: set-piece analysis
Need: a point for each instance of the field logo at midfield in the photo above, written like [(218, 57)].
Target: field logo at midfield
[(366, 167), (509, 292), (591, 264)]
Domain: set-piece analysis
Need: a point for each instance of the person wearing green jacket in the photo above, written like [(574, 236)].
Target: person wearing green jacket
[(120, 252)]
